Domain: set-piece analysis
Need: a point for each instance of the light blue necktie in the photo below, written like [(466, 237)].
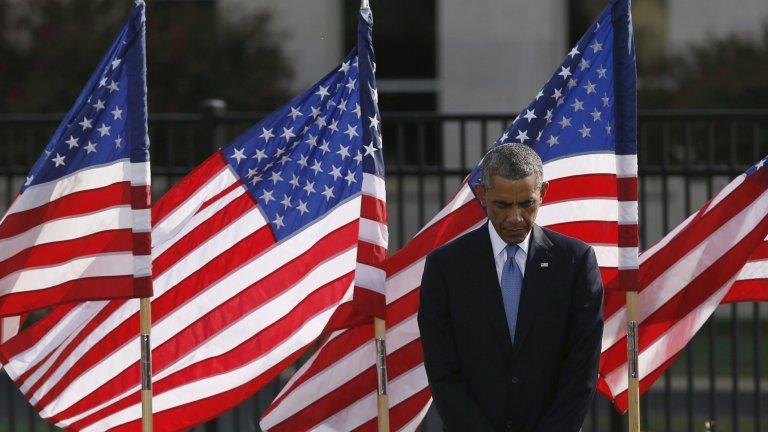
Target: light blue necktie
[(511, 287)]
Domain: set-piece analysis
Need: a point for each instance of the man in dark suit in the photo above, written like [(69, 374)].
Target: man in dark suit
[(511, 313)]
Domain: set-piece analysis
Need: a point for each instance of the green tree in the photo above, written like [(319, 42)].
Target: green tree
[(48, 48)]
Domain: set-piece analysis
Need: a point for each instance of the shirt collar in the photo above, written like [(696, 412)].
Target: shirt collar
[(498, 244)]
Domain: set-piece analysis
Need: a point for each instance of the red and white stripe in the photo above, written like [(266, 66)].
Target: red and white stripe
[(9, 327), (336, 388), (716, 255), (83, 236), (230, 311), (752, 281), (368, 296)]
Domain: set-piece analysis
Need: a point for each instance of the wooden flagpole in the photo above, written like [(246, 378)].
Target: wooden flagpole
[(380, 333), (145, 325), (146, 364), (382, 397), (632, 361)]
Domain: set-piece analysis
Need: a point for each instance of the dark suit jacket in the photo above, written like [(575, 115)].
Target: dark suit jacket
[(479, 381)]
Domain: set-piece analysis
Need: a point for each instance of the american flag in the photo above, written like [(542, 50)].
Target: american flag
[(253, 253), (719, 254), (583, 125), (79, 228)]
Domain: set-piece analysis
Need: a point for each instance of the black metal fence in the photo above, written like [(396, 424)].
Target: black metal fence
[(719, 383)]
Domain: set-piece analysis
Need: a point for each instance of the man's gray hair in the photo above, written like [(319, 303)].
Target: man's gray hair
[(513, 162)]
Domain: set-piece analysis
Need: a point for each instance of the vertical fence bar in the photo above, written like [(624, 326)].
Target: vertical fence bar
[(9, 167), (11, 395), (463, 144), (168, 144), (212, 425), (213, 112), (617, 421), (31, 418), (732, 143), (236, 414), (710, 157), (400, 184), (438, 128), (257, 410), (30, 147), (420, 141), (641, 162), (665, 175), (190, 147)]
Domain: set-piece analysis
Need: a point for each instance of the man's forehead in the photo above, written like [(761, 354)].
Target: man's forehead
[(500, 197), (501, 194), (521, 185)]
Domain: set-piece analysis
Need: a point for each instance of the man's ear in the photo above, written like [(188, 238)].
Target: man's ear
[(480, 193), (543, 190)]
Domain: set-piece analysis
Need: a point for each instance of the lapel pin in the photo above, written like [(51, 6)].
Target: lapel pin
[(544, 265)]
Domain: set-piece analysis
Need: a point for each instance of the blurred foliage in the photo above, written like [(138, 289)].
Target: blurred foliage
[(726, 73), (49, 48)]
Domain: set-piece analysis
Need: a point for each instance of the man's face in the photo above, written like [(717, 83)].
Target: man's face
[(512, 205)]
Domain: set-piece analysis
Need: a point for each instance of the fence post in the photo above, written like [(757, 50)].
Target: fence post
[(212, 425), (617, 421), (11, 395), (213, 133)]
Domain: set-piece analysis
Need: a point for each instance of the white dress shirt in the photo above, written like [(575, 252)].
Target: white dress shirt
[(500, 253)]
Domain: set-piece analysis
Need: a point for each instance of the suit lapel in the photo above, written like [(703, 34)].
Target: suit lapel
[(487, 284), (537, 274)]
